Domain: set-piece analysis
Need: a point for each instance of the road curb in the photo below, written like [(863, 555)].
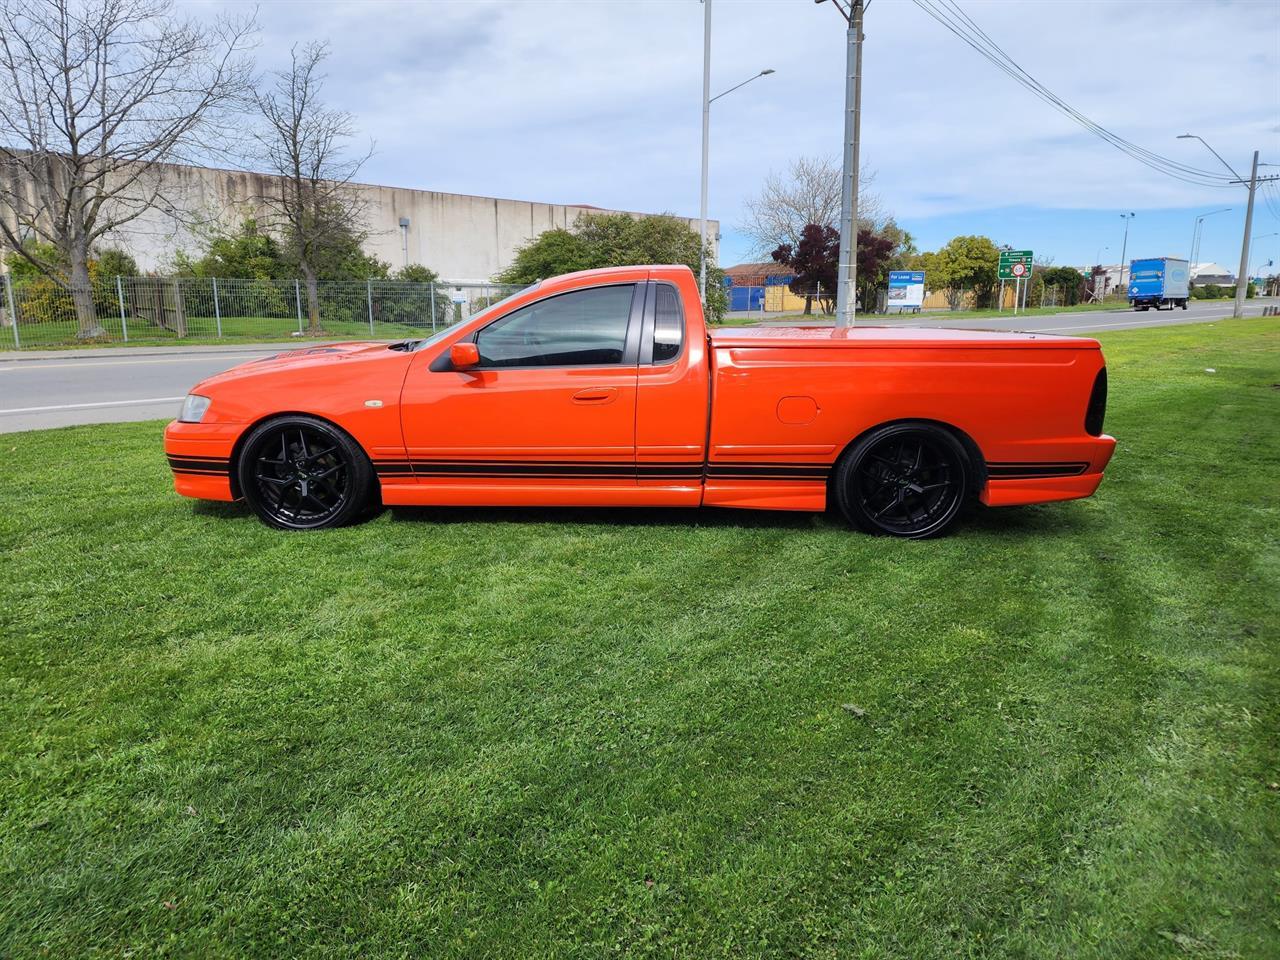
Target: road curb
[(213, 350)]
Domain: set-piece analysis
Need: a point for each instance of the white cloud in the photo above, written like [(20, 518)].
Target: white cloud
[(598, 102)]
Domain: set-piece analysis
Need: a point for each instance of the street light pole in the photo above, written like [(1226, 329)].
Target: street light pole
[(1195, 233), (846, 280), (1124, 249), (707, 100), (1252, 184), (1242, 279), (706, 145)]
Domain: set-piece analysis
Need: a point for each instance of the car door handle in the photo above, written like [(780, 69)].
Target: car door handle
[(596, 395)]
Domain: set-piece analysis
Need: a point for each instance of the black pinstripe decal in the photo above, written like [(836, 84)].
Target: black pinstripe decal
[(201, 466), (1024, 471), (598, 469)]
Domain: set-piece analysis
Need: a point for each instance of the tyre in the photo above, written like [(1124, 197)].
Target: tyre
[(908, 479), (301, 473), (1184, 304)]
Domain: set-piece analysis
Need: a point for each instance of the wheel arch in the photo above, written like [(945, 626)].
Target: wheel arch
[(971, 447), (238, 447)]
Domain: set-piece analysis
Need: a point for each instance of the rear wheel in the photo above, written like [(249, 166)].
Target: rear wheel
[(301, 473), (904, 479)]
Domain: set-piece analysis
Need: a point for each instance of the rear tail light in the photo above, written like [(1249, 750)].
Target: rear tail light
[(1097, 405)]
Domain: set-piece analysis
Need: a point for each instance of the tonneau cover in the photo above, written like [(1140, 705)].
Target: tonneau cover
[(874, 337)]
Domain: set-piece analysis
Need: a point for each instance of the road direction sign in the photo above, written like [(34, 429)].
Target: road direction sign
[(1015, 264)]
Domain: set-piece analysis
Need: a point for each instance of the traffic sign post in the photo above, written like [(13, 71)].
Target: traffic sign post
[(1015, 265), (1011, 261)]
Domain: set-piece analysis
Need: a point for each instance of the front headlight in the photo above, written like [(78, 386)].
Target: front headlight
[(194, 408)]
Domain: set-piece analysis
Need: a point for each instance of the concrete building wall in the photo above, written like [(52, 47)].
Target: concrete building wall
[(459, 236)]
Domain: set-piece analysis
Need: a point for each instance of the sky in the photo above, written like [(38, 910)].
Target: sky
[(599, 102)]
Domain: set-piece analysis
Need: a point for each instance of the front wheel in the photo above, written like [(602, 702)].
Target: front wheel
[(904, 479), (301, 473)]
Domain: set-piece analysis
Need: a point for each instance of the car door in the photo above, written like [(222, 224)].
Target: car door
[(552, 401)]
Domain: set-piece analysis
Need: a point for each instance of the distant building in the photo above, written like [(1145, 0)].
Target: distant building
[(1204, 273), (461, 237)]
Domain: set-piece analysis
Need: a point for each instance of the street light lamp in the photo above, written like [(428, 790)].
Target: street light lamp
[(707, 100), (1195, 235), (1192, 136), (1252, 183)]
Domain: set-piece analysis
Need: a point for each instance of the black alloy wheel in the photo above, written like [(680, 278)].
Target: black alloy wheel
[(906, 479), (301, 473)]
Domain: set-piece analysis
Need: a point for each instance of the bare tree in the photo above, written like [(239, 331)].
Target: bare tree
[(94, 94), (808, 193), (304, 143)]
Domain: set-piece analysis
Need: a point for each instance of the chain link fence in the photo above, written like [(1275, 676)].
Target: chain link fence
[(37, 313)]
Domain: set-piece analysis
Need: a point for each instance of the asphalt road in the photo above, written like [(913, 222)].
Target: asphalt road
[(110, 385)]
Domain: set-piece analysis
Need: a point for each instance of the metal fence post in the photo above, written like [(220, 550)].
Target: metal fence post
[(368, 293), (297, 296), (217, 308), (13, 311), (124, 326), (433, 308)]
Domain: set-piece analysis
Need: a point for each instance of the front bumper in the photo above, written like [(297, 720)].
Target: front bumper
[(199, 455)]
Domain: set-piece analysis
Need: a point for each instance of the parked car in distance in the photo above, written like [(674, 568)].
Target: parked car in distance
[(606, 388)]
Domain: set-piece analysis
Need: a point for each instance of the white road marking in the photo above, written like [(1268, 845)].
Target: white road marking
[(87, 406), (1171, 321)]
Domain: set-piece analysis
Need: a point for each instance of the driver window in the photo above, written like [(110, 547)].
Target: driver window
[(583, 328)]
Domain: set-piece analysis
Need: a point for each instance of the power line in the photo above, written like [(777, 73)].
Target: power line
[(950, 15), (1271, 197)]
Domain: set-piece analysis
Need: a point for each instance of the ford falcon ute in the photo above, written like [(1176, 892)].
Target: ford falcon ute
[(607, 388)]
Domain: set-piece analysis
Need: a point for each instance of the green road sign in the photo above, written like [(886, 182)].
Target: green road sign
[(1015, 264)]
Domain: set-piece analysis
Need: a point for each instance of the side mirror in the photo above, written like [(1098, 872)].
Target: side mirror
[(464, 355)]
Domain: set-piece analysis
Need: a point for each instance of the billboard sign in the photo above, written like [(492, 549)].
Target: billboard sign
[(906, 289)]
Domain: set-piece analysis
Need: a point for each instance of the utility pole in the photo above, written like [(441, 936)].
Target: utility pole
[(1124, 249), (706, 146), (1252, 184), (1242, 279), (846, 289)]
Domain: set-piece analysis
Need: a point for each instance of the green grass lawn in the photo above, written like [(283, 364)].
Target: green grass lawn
[(593, 733)]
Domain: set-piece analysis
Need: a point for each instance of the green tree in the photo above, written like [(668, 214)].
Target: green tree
[(1068, 280), (615, 240), (968, 263), (248, 253), (334, 253), (416, 273)]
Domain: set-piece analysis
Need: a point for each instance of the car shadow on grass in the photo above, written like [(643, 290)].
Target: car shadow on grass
[(1055, 520), (616, 517), (1050, 520)]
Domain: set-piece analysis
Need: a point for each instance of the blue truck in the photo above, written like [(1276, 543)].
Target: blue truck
[(1159, 282)]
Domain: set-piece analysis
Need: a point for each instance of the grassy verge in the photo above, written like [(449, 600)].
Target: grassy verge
[(204, 330), (976, 314), (589, 733)]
